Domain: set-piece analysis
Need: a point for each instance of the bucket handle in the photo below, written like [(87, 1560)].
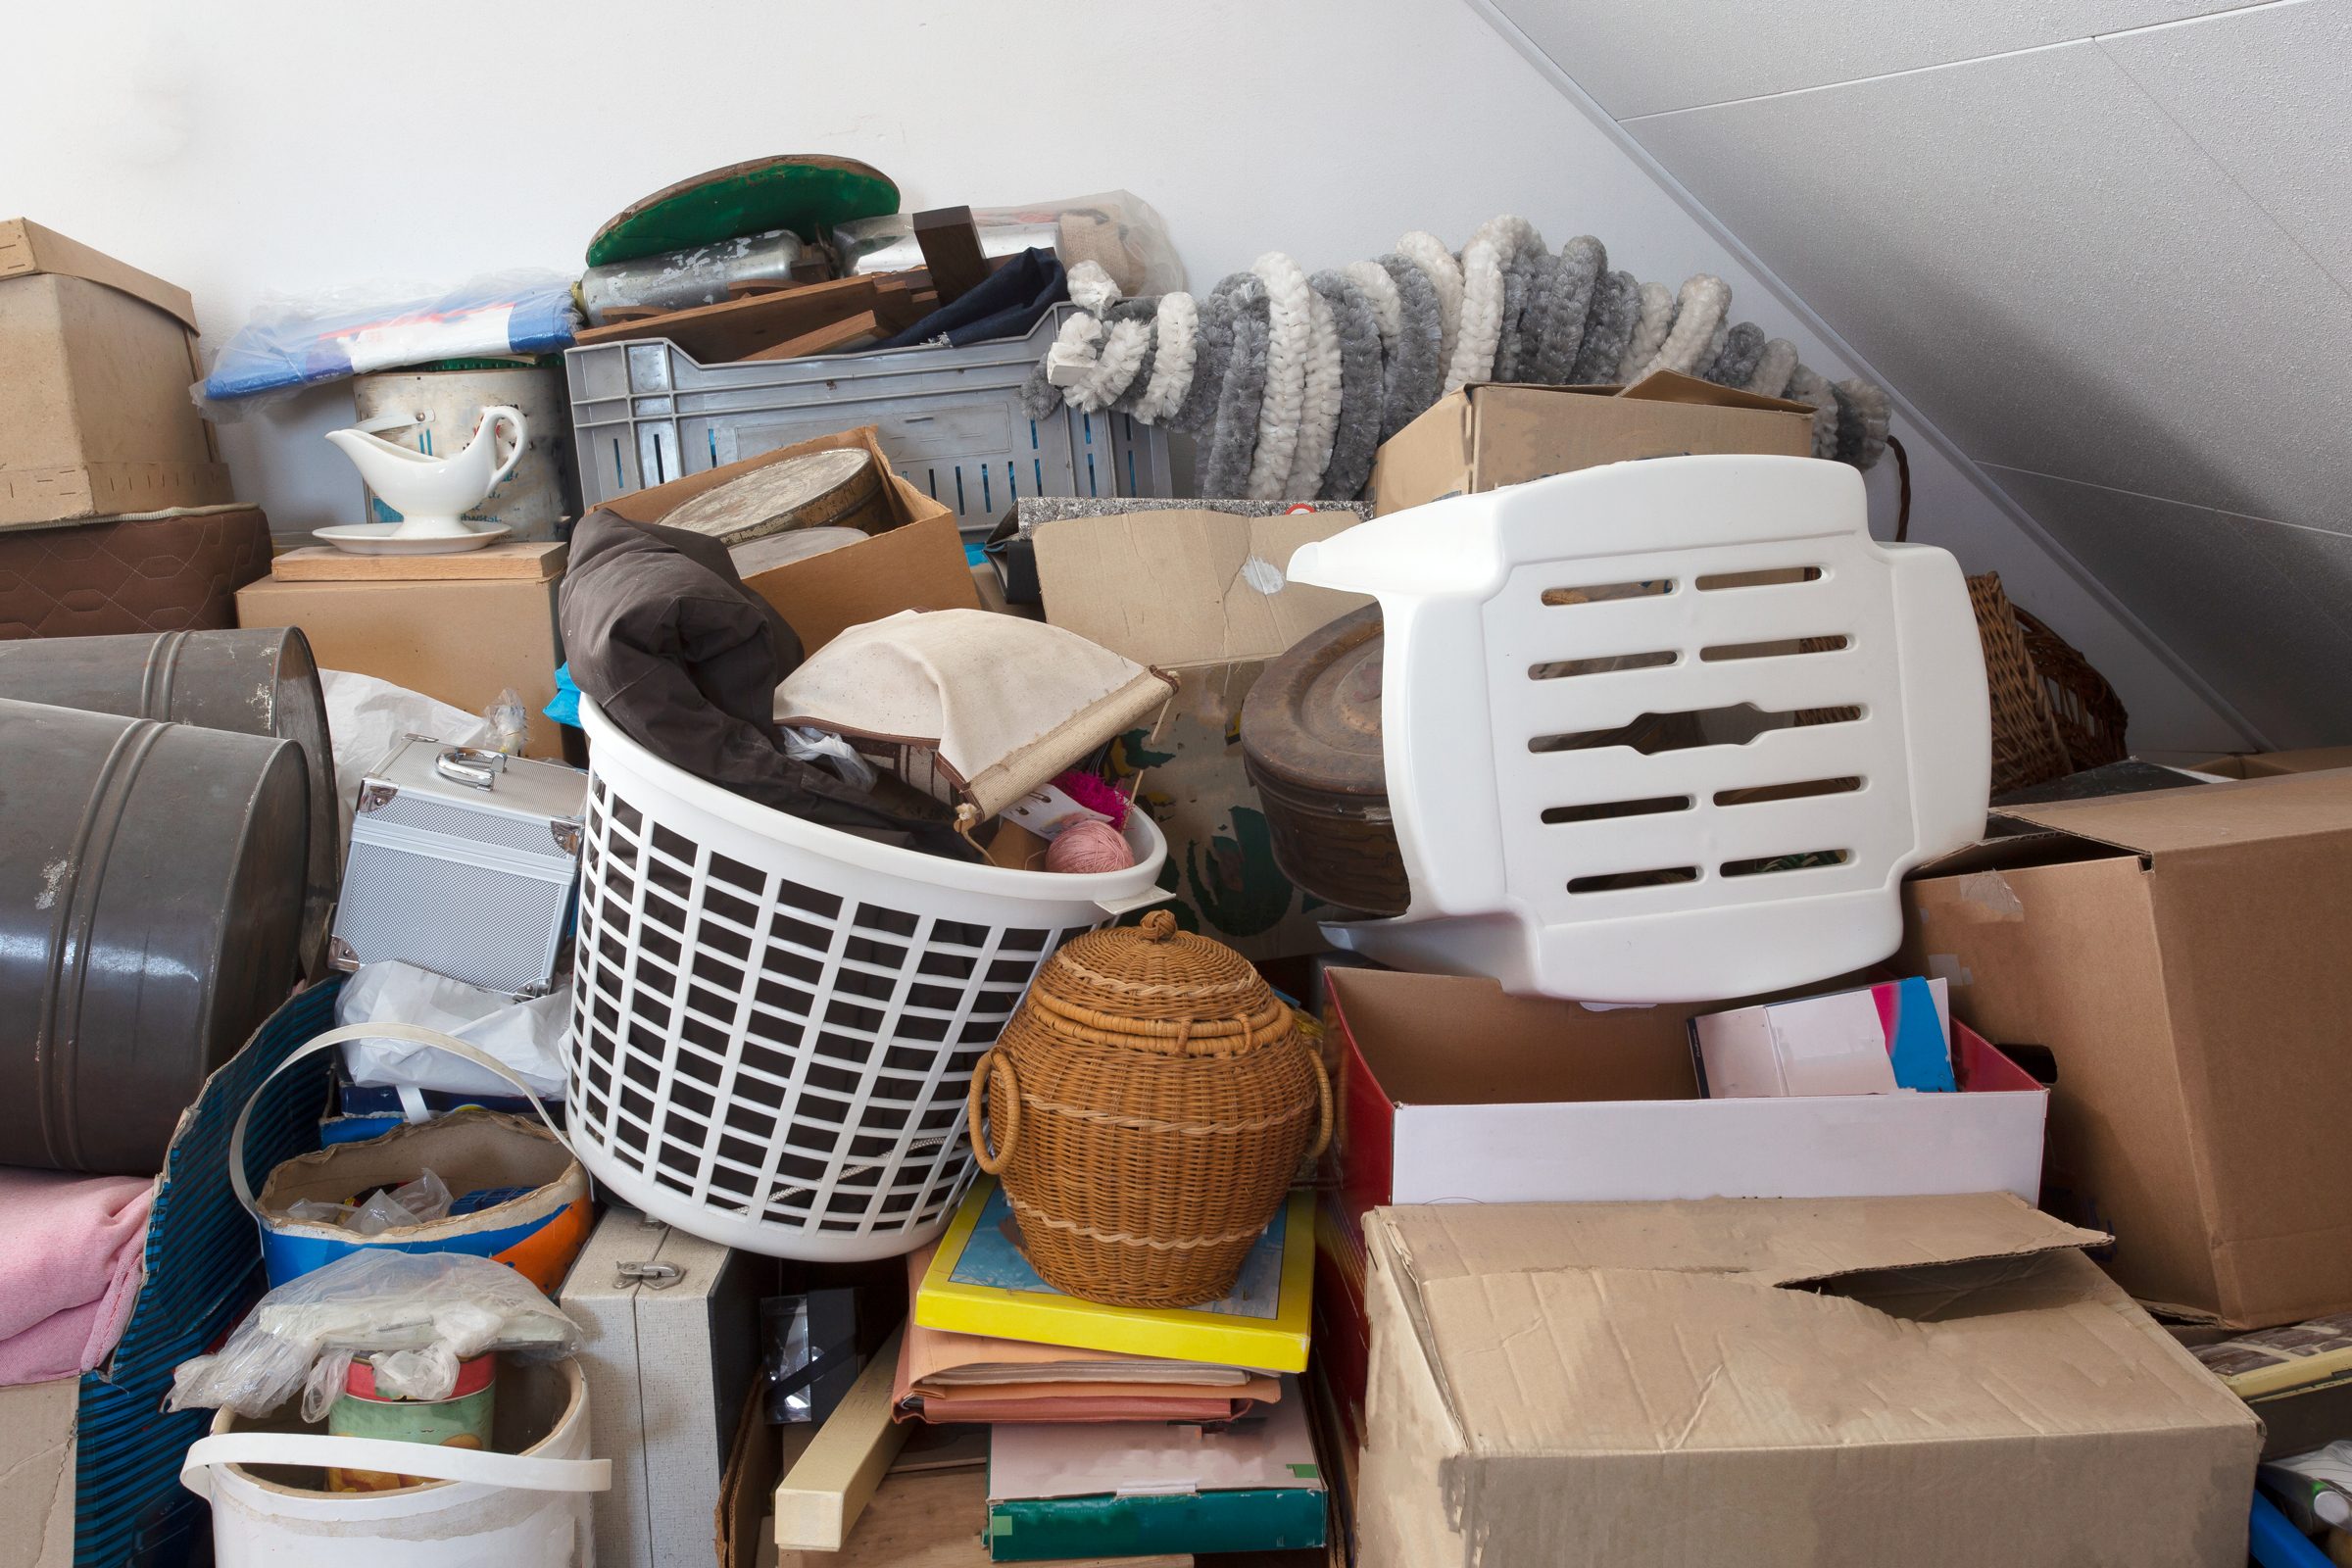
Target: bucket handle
[(519, 1472), (414, 1034)]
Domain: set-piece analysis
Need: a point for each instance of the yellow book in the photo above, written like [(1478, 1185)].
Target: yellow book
[(979, 1283)]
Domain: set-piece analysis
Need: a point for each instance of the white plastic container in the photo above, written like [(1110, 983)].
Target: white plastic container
[(484, 1510), (1526, 624), (774, 1023)]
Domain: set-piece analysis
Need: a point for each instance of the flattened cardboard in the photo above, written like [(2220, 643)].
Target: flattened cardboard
[(36, 1472), (2178, 956), (917, 565), (1492, 434), (1206, 596), (462, 642), (1937, 1382)]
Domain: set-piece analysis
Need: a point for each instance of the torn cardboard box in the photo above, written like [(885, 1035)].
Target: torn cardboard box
[(1935, 1382), (1206, 597), (1489, 435), (2180, 957)]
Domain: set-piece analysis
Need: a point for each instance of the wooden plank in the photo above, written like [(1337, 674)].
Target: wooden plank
[(849, 330), (951, 245), (529, 560), (933, 1519), (819, 1499), (733, 328)]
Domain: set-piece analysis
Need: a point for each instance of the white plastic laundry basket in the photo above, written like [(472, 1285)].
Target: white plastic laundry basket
[(1689, 602), (774, 1023)]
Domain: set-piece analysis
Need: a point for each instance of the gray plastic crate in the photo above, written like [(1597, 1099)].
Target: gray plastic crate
[(951, 420)]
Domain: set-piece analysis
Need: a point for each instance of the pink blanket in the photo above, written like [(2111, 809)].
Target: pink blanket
[(70, 1267)]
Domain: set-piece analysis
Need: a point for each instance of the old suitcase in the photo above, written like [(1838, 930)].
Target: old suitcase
[(464, 862)]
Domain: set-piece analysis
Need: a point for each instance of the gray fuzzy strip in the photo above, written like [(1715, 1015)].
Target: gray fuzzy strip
[(1415, 372), (1616, 307), (1212, 341), (1850, 426), (1774, 368), (1233, 440), (1584, 263), (1517, 280), (1361, 398), (1742, 347), (1543, 275), (1864, 404), (1039, 396)]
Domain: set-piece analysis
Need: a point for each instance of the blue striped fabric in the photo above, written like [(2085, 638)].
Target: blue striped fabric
[(204, 1272)]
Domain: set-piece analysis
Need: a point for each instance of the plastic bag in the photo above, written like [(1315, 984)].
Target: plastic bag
[(1116, 228), (526, 1037), (291, 342), (373, 1302), (366, 718), (805, 745), (509, 723), (420, 1202)]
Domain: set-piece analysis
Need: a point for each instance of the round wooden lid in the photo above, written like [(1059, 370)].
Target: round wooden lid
[(1312, 721), (806, 192), (782, 549), (811, 492)]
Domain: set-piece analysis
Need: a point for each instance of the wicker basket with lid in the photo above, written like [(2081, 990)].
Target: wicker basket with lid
[(1147, 1108)]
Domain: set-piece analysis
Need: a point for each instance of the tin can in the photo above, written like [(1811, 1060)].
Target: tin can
[(460, 1421)]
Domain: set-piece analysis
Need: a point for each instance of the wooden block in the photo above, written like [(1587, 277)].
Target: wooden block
[(530, 561), (933, 1519), (819, 1499), (844, 334), (951, 243), (733, 328)]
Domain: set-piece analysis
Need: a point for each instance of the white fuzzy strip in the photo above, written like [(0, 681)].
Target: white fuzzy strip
[(1092, 288), (1429, 252), (1649, 331), (1495, 247), (1072, 359), (1291, 326), (1698, 310), (1123, 349), (1319, 413), (1773, 370), (1178, 323), (1380, 291), (1807, 385)]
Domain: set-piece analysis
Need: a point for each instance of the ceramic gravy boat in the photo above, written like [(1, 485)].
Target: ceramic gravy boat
[(432, 494)]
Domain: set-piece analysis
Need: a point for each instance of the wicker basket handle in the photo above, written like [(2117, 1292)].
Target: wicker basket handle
[(1323, 1121), (1008, 1106)]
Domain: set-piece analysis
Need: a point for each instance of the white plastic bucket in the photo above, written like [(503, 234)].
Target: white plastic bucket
[(484, 1510)]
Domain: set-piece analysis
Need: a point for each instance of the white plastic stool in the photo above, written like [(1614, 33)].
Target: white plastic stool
[(1675, 593)]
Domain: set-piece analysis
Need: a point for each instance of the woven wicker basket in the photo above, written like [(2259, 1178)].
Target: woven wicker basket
[(1147, 1107), (2027, 748), (2090, 716)]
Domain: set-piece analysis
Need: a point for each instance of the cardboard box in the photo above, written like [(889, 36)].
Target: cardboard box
[(1935, 1382), (1500, 433), (460, 641), (918, 566), (2275, 765), (1450, 1090), (96, 360), (1879, 1040), (1206, 597), (2180, 956), (36, 1472)]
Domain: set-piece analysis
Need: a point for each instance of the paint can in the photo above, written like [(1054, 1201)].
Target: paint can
[(464, 1420), (434, 409)]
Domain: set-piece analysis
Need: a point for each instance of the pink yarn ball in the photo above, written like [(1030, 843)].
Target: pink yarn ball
[(1089, 846)]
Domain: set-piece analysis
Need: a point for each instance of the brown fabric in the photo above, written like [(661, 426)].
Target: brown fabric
[(112, 577), (684, 660)]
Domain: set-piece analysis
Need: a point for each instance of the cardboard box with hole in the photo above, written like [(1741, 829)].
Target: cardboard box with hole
[(2180, 957), (1935, 1382), (96, 360), (1206, 597), (1493, 434)]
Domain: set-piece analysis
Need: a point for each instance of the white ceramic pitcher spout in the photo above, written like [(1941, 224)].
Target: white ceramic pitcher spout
[(434, 494)]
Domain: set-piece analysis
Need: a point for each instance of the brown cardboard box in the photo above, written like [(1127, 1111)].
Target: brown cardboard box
[(918, 566), (2180, 956), (1838, 1383), (96, 360), (460, 641), (2274, 764), (36, 1472), (1500, 433), (1167, 588)]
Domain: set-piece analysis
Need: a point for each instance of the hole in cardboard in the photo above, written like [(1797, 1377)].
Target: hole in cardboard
[(1557, 669), (1655, 805)]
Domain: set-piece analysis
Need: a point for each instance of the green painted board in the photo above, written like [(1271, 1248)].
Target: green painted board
[(1258, 1519), (806, 192)]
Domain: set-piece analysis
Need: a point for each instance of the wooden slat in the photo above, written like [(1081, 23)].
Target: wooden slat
[(819, 1499), (849, 330), (735, 329)]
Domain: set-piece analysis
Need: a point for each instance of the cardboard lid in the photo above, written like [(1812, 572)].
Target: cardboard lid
[(1659, 386), (1726, 1324), (26, 248), (2211, 815)]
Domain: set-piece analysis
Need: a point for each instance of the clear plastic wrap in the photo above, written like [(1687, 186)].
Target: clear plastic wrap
[(415, 1315), (291, 342), (1116, 228)]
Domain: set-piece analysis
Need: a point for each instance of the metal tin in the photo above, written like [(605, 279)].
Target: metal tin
[(1312, 745), (151, 893), (434, 410), (260, 681), (464, 1420)]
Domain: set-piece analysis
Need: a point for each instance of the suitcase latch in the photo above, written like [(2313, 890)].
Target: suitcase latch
[(653, 1276)]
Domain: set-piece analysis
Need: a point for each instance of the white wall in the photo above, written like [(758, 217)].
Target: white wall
[(267, 146)]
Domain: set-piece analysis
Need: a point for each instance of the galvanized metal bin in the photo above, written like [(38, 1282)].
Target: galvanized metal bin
[(949, 420), (260, 681), (151, 899)]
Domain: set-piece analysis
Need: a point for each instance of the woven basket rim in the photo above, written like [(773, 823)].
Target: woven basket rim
[(1233, 1035)]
